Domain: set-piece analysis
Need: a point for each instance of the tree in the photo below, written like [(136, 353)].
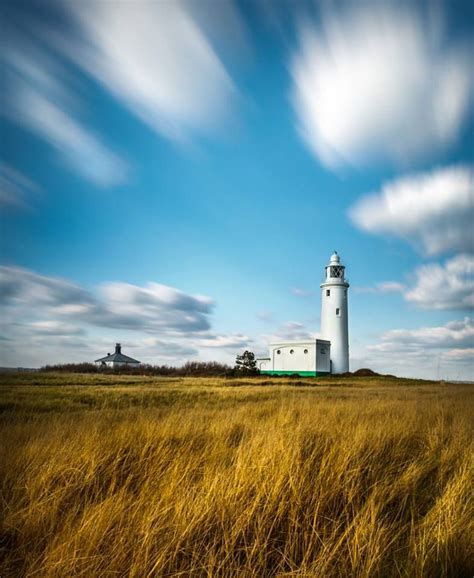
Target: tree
[(246, 362)]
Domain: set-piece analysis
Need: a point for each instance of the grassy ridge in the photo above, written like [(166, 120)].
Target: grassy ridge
[(107, 475)]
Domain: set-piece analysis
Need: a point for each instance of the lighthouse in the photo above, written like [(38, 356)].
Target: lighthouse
[(334, 319), (326, 354)]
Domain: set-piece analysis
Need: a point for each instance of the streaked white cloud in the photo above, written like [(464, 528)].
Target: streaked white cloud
[(299, 292), (383, 287), (16, 189), (55, 328), (390, 287), (379, 80), (431, 352), (41, 104), (20, 287), (463, 355), (434, 210), (156, 59), (265, 316), (448, 286), (80, 148), (231, 341), (157, 351), (452, 364), (153, 308), (453, 335), (47, 319), (291, 331)]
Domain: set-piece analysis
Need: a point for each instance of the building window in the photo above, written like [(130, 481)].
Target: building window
[(323, 350), (278, 352), (328, 292), (305, 351), (338, 312), (292, 351)]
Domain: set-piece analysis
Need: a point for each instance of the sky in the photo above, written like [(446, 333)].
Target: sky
[(174, 176)]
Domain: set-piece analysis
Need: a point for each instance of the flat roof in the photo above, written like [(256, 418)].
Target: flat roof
[(306, 342)]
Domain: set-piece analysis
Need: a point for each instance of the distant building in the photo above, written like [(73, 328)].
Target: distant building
[(117, 359)]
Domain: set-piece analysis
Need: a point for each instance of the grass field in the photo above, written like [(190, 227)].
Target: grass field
[(136, 476)]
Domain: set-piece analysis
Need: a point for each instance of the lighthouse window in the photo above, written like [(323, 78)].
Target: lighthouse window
[(323, 350), (306, 351), (328, 292), (338, 312), (292, 351), (278, 352)]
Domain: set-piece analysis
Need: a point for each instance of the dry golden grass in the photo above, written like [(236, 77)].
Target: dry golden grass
[(106, 476)]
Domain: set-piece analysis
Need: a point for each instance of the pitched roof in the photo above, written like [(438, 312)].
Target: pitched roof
[(120, 357)]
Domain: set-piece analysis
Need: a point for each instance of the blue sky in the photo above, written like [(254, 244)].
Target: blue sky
[(175, 176)]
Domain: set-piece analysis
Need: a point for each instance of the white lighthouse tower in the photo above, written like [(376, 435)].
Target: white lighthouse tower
[(334, 322)]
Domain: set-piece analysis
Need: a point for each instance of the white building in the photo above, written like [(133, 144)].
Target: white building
[(330, 354), (117, 359)]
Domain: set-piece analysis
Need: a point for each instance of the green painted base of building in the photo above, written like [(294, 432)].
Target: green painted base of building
[(301, 373)]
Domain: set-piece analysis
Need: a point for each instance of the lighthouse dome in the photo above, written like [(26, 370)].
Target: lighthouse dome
[(335, 258)]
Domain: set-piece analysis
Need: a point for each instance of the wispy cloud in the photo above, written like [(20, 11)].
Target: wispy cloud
[(151, 308), (429, 352), (299, 292), (16, 189), (433, 210), (47, 319), (448, 286), (153, 350), (379, 80), (265, 316), (455, 334), (55, 328), (156, 59), (232, 341), (37, 101), (383, 287), (291, 331), (461, 354)]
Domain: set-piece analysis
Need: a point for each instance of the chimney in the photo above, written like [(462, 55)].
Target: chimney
[(118, 348)]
